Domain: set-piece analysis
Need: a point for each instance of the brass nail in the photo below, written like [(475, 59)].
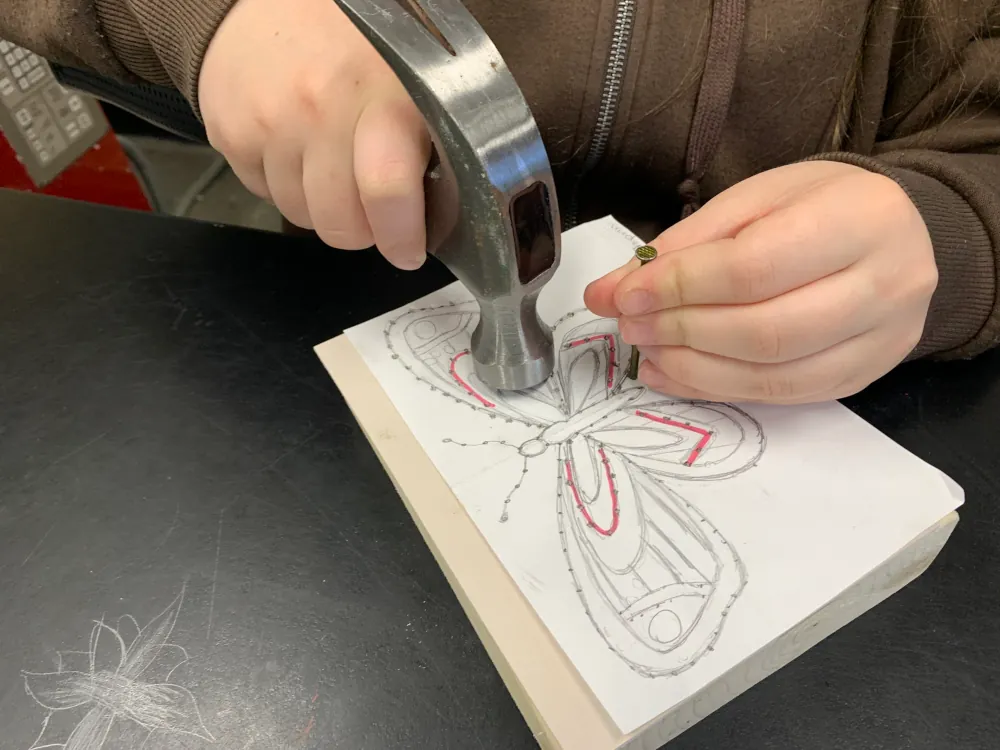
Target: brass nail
[(645, 254)]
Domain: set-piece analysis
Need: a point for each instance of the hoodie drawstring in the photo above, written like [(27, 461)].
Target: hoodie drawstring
[(725, 44)]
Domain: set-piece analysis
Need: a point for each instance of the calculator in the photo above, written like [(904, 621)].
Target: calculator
[(48, 126)]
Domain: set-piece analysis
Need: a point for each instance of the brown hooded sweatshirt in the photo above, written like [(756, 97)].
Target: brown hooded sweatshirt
[(649, 107)]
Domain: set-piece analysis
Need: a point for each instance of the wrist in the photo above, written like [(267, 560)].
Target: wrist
[(963, 302)]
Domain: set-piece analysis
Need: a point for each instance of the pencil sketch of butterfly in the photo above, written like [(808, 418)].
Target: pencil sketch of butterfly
[(654, 575), (126, 680)]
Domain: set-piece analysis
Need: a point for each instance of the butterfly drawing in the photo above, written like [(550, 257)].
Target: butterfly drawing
[(654, 575)]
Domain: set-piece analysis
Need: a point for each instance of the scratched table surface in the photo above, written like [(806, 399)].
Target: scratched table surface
[(198, 548)]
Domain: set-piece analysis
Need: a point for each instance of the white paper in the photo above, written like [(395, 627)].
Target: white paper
[(732, 524)]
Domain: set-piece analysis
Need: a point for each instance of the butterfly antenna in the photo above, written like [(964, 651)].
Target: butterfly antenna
[(524, 469), (479, 445), (524, 472)]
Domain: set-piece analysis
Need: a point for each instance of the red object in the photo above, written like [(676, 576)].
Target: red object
[(610, 341), (458, 379), (706, 436), (583, 508), (101, 175)]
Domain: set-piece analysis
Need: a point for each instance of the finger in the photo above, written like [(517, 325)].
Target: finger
[(332, 194), (811, 378), (242, 148), (283, 169), (781, 252), (599, 294), (791, 326), (391, 151), (648, 374), (251, 175)]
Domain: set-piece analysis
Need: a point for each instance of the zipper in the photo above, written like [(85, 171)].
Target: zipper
[(614, 78)]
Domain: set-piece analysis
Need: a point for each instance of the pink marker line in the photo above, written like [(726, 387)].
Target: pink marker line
[(466, 386), (706, 435), (583, 508), (610, 341)]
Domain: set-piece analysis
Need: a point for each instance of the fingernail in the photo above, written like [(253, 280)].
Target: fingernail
[(634, 332), (636, 302), (412, 263)]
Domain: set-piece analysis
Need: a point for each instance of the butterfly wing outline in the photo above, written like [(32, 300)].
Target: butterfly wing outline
[(654, 575), (433, 344), (689, 440)]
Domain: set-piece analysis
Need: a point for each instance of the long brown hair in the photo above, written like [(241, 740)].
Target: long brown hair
[(965, 95), (850, 94)]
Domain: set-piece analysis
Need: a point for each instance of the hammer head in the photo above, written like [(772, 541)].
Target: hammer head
[(492, 213)]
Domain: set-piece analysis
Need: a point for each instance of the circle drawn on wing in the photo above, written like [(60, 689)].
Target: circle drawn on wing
[(665, 627), (424, 330)]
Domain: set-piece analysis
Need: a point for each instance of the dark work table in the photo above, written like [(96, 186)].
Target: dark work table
[(196, 538)]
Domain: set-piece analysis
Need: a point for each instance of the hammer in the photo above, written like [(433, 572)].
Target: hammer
[(491, 209)]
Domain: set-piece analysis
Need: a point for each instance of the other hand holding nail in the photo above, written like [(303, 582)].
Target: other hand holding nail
[(805, 283)]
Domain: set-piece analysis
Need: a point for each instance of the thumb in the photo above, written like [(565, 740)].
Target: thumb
[(599, 296), (713, 221)]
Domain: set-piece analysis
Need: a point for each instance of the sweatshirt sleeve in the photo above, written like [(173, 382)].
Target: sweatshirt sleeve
[(958, 197), (940, 141), (156, 41), (62, 31)]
